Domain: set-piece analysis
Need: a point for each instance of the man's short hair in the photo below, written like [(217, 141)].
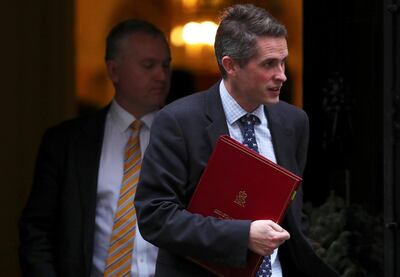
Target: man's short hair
[(125, 28), (239, 28)]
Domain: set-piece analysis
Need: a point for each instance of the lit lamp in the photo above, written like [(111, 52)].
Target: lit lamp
[(194, 33), (192, 46)]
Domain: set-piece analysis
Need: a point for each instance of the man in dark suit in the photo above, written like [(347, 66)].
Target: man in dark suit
[(251, 51), (67, 226)]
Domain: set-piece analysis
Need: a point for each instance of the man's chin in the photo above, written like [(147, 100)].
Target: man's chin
[(272, 101), (158, 98)]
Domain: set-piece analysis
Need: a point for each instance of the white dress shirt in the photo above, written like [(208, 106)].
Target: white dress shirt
[(233, 111), (116, 135)]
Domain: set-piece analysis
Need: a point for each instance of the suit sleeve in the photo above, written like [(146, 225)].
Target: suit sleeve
[(37, 225), (165, 186)]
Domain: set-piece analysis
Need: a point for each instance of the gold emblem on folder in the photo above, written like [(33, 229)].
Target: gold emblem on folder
[(241, 198)]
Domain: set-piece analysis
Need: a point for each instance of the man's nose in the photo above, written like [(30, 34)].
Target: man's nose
[(162, 73), (280, 74)]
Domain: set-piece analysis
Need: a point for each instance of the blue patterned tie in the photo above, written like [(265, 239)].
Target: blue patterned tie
[(247, 123)]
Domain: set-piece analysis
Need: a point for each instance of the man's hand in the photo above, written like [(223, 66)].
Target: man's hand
[(265, 236)]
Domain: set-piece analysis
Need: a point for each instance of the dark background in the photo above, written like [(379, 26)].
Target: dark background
[(351, 94), (343, 96)]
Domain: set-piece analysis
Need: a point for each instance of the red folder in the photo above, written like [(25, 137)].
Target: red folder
[(239, 183)]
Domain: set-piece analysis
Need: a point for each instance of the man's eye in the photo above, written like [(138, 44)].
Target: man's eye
[(273, 63), (148, 65), (269, 64)]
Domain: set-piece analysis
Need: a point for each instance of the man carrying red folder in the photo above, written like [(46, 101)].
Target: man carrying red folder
[(251, 51)]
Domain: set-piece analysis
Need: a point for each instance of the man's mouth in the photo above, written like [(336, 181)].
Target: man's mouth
[(275, 89), (158, 88)]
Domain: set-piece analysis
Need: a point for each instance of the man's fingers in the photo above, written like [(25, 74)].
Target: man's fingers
[(275, 227)]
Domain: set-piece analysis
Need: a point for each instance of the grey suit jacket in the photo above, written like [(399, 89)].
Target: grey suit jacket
[(182, 138)]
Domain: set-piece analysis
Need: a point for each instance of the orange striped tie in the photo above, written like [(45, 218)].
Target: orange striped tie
[(119, 258)]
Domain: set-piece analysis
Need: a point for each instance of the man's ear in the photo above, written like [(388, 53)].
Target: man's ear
[(112, 69), (230, 65)]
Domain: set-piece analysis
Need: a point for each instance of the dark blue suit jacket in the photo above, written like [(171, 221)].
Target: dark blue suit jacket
[(57, 224), (182, 138)]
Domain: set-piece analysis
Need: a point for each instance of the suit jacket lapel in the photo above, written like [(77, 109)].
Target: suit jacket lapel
[(88, 152), (216, 115), (280, 133), (280, 136)]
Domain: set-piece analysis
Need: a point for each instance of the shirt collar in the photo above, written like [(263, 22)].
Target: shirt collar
[(235, 111), (121, 118)]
